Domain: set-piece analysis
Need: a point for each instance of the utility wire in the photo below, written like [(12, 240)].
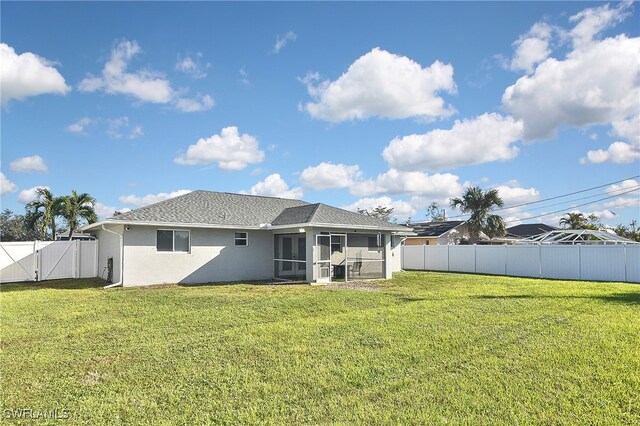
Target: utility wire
[(555, 197), (612, 193), (579, 205)]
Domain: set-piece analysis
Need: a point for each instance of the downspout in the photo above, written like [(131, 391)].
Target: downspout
[(121, 237)]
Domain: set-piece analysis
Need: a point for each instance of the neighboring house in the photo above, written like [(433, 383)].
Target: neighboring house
[(208, 236), (74, 236), (527, 230), (438, 233)]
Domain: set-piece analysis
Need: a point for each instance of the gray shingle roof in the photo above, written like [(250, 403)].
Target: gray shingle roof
[(226, 209), (324, 214), (526, 230), (435, 229), (212, 208)]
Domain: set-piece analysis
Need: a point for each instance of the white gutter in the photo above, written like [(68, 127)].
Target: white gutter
[(121, 237)]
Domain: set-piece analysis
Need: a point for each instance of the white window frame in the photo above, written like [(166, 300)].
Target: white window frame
[(173, 241), (236, 239)]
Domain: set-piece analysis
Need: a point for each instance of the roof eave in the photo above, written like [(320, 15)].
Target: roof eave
[(341, 226)]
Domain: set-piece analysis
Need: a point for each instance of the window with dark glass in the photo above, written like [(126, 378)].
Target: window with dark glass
[(242, 239), (172, 241)]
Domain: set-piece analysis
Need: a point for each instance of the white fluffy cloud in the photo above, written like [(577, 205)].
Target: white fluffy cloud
[(274, 186), (624, 202), (79, 126), (28, 195), (618, 152), (230, 150), (592, 21), (401, 209), (628, 130), (192, 65), (512, 194), (382, 84), (282, 41), (27, 74), (486, 138), (329, 175), (103, 211), (437, 186), (120, 128), (144, 85), (532, 48), (199, 103), (6, 185), (626, 185), (597, 85), (34, 163), (145, 200)]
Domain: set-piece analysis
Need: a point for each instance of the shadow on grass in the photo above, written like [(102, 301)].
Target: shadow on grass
[(237, 283), (63, 284), (632, 298), (629, 298)]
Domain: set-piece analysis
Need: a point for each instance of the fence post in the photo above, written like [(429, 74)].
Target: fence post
[(77, 259), (475, 258), (35, 260), (505, 259), (625, 262), (96, 247), (539, 260), (579, 261)]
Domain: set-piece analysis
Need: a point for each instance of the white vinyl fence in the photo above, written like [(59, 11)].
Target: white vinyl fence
[(619, 262), (48, 260)]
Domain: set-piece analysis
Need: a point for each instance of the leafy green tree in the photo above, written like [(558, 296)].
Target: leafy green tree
[(580, 221), (478, 204), (434, 213), (630, 232), (379, 212), (14, 227), (77, 207), (43, 211)]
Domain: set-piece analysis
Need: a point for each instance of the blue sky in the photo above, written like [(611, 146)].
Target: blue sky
[(350, 104)]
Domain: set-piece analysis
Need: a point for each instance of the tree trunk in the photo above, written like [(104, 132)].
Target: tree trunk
[(53, 230)]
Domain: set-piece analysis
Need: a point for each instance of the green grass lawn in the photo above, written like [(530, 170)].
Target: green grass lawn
[(427, 348)]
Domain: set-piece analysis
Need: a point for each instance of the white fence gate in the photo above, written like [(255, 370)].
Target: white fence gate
[(48, 260), (620, 262)]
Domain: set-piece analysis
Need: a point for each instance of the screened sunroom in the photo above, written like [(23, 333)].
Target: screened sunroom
[(335, 257)]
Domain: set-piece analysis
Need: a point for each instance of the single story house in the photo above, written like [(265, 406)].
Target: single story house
[(206, 236), (438, 233)]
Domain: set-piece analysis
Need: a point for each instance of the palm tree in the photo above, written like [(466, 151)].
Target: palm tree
[(479, 203), (76, 207), (573, 221), (495, 226), (42, 211)]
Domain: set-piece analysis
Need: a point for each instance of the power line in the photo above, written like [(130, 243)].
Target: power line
[(612, 193), (579, 205), (555, 197)]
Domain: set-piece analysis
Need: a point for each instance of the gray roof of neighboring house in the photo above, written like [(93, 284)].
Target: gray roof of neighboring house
[(227, 209), (526, 230), (435, 229)]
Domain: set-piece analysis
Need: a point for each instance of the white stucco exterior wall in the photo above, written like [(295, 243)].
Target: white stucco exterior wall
[(109, 246), (396, 254), (213, 257)]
